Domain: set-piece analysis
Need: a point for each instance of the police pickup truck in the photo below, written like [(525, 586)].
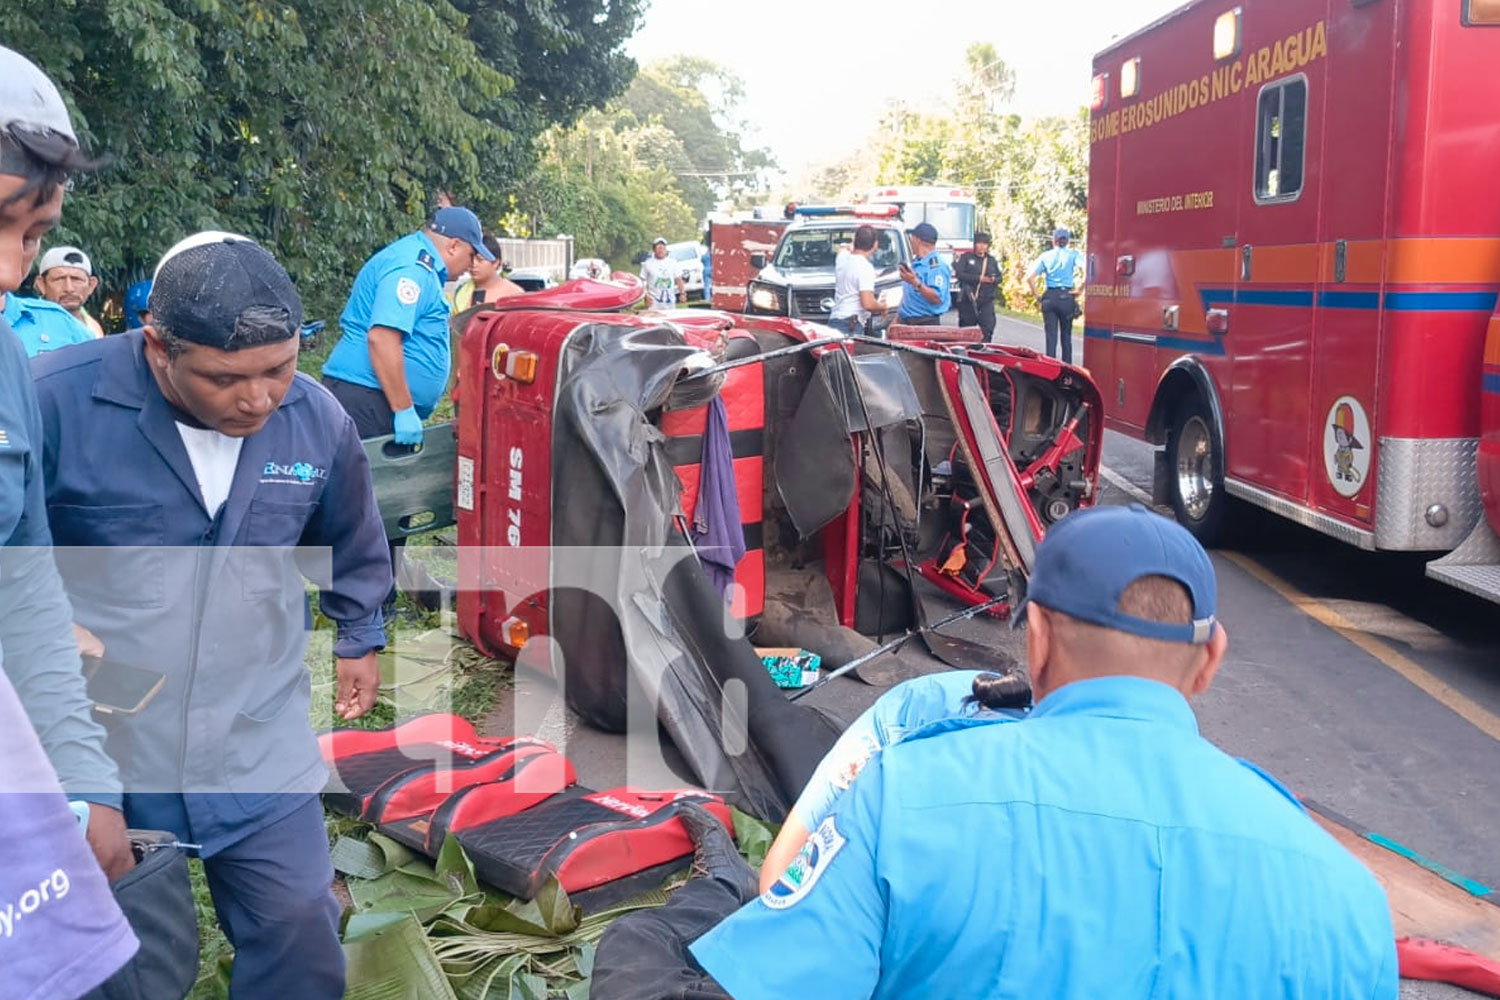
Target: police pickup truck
[(797, 280)]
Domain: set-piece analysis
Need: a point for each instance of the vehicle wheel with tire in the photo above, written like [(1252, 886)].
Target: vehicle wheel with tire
[(1196, 481)]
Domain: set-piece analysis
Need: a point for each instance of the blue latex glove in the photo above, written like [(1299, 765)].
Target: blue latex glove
[(408, 427)]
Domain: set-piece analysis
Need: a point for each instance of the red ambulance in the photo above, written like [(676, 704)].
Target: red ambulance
[(1293, 261)]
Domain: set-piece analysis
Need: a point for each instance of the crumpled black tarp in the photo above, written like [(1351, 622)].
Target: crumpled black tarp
[(668, 654), (817, 478)]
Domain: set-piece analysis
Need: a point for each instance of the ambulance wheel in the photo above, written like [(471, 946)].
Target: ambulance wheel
[(1195, 480)]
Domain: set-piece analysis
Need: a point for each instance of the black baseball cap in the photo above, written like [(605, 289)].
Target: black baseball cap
[(224, 291)]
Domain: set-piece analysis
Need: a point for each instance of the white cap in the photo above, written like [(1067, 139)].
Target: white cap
[(197, 240), (65, 257), (30, 105)]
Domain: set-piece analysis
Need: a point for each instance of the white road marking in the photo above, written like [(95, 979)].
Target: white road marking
[(1121, 483)]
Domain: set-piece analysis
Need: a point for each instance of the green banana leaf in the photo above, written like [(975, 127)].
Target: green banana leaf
[(393, 961), (753, 837)]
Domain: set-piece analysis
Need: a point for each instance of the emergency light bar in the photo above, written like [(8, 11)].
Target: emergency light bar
[(858, 211), (1101, 92)]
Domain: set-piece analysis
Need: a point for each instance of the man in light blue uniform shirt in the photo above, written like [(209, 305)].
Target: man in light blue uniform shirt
[(390, 367), (929, 281), (42, 326), (1100, 847), (947, 696), (1058, 269)]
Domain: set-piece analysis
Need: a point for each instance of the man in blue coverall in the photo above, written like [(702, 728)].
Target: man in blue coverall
[(72, 936), (1098, 848), (929, 281), (193, 478), (390, 367)]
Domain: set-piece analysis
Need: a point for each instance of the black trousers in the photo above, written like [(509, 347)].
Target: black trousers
[(372, 417), (1058, 306), (980, 314), (368, 407), (644, 955), (920, 320)]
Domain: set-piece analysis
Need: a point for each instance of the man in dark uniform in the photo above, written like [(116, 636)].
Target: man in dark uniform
[(193, 478), (978, 275)]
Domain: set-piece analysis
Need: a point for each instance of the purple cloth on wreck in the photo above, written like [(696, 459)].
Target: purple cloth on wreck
[(718, 533)]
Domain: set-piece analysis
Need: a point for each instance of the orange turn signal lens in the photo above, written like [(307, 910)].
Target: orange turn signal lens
[(521, 366), (515, 632), (518, 366)]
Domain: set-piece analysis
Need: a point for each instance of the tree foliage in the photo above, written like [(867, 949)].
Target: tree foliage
[(603, 183), (653, 163), (1028, 176), (696, 100), (323, 128)]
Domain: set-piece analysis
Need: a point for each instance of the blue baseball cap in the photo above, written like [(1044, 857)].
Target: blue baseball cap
[(461, 224), (1061, 233), (137, 301), (1087, 559), (924, 231)]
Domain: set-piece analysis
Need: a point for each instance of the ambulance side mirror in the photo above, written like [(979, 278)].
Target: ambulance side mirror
[(757, 260)]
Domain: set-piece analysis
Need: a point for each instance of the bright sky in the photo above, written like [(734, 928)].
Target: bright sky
[(812, 103)]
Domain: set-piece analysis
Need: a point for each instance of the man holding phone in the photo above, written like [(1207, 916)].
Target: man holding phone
[(929, 280), (230, 477)]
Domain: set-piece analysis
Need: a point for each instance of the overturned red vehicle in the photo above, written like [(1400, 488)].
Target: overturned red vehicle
[(605, 457)]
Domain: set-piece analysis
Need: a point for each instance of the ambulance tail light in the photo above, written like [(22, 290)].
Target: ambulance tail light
[(1101, 93), (1218, 322), (1227, 34), (515, 632), (1481, 12)]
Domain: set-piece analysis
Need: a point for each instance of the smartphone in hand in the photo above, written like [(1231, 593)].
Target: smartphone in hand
[(119, 688)]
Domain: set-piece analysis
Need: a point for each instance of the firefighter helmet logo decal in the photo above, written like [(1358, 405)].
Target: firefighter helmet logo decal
[(1346, 446)]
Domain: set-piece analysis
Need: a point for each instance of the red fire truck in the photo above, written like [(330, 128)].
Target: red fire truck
[(1294, 255)]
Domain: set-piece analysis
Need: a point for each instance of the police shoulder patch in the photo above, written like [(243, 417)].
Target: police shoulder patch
[(822, 846), (408, 292)]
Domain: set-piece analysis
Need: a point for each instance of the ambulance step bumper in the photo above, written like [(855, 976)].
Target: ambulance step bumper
[(1474, 566)]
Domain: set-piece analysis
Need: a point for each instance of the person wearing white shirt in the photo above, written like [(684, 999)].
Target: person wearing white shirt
[(854, 299), (663, 277)]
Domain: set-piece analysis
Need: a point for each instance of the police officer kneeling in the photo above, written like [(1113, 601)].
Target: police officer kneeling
[(1098, 848)]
